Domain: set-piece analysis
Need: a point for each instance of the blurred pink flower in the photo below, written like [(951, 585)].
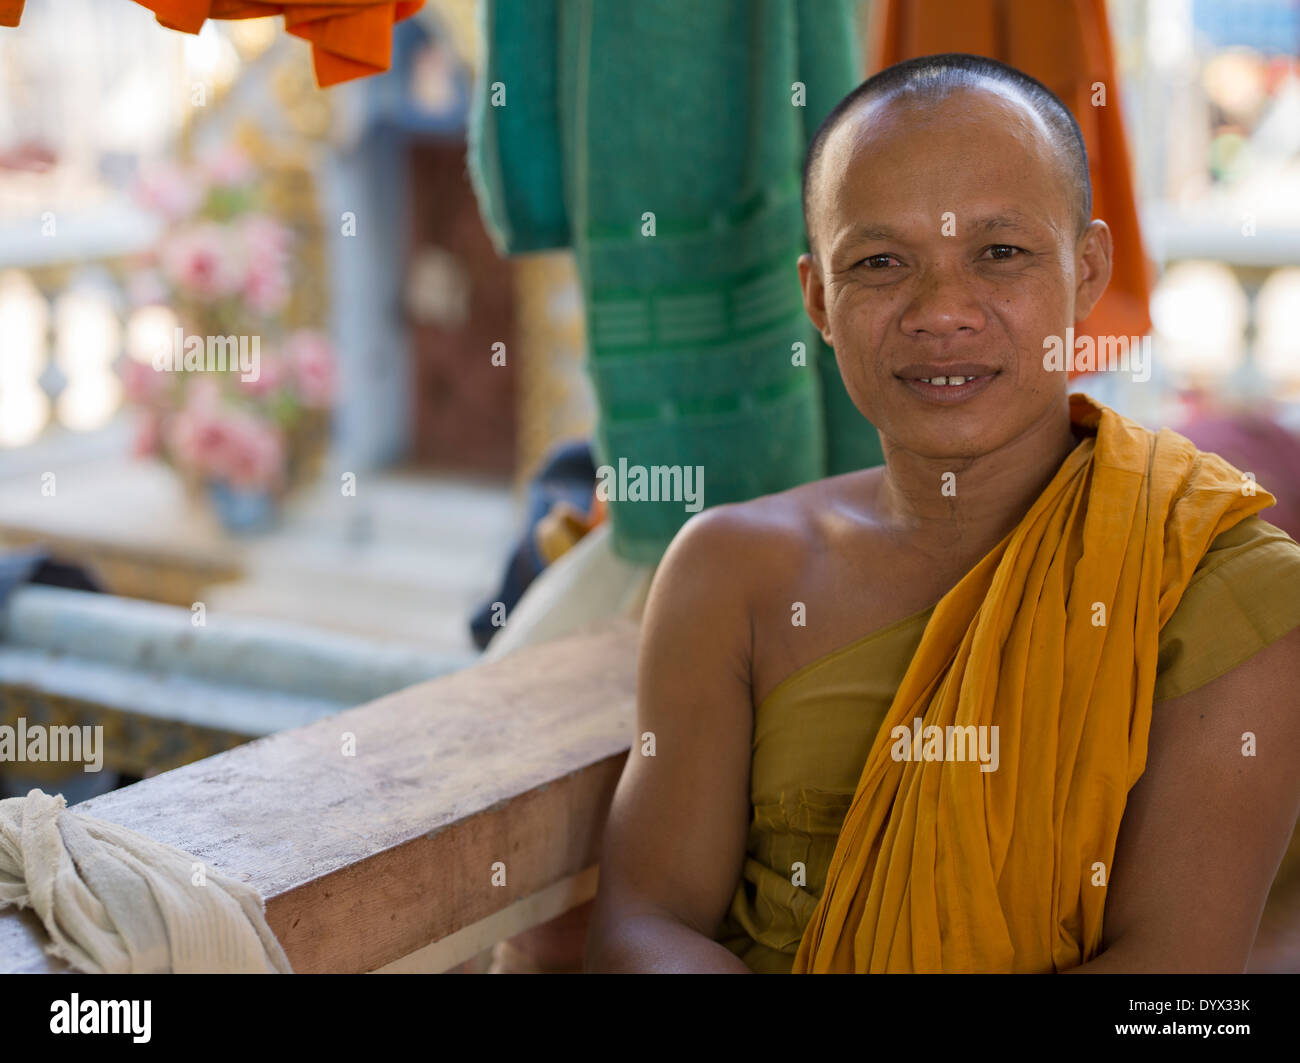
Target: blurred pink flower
[(266, 287), (145, 287), (254, 457), (235, 275), (143, 384), (266, 252), (204, 395), (234, 448), (170, 190), (262, 234), (201, 262), (192, 436), (148, 438), (311, 360), (272, 375), (227, 166)]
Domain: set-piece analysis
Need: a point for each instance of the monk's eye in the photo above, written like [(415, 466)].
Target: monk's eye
[(878, 261), (1001, 252)]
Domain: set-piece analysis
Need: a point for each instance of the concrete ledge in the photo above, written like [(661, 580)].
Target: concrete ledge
[(230, 650)]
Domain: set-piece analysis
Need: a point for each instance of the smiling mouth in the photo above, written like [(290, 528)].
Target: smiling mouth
[(950, 381), (953, 388)]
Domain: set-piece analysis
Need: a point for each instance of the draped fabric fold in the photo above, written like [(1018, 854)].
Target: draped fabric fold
[(1052, 637), (349, 38), (676, 115), (116, 902)]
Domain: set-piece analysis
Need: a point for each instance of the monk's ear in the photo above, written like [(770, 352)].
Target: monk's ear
[(814, 295), (1094, 265)]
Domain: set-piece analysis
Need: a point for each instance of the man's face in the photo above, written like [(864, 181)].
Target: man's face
[(946, 243)]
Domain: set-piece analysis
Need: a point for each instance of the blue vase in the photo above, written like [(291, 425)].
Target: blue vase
[(241, 511)]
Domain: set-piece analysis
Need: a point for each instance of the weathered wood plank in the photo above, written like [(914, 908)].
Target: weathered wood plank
[(21, 952), (365, 859), (476, 938)]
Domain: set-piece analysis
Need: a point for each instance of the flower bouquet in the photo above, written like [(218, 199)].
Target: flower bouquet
[(231, 395)]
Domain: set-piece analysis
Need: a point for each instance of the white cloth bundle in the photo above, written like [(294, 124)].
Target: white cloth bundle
[(116, 902), (588, 584)]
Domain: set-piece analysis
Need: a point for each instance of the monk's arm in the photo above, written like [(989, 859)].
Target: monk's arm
[(674, 841), (1206, 826)]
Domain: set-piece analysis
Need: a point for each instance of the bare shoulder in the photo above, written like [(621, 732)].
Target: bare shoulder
[(686, 805), (702, 597), (1208, 822), (746, 547), (1241, 732), (734, 567)]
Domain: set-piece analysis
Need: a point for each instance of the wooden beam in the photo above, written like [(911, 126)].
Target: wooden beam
[(499, 926), (366, 859)]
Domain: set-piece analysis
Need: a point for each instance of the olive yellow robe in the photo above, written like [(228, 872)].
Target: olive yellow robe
[(818, 729)]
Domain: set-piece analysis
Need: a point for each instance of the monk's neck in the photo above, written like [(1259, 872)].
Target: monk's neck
[(956, 510)]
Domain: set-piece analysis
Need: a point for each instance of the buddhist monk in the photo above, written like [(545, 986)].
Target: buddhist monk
[(1095, 611)]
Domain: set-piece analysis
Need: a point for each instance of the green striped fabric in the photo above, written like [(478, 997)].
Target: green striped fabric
[(681, 112)]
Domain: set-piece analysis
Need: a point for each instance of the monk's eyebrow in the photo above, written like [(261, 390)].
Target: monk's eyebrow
[(1012, 220), (867, 232), (870, 233), (1004, 221)]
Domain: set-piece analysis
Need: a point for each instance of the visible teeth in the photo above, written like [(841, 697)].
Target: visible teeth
[(956, 380), (949, 381)]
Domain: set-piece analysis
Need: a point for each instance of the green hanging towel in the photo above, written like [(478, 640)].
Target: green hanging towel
[(514, 128), (663, 141)]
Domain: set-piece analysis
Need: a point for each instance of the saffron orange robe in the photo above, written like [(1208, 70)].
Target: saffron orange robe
[(814, 731), (349, 38), (1053, 637)]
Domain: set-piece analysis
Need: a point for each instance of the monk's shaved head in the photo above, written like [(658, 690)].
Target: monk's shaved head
[(932, 79)]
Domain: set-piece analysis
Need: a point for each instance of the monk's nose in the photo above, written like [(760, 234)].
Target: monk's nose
[(943, 304)]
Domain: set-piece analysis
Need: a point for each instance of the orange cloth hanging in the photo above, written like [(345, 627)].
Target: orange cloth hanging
[(349, 38), (1066, 45), (942, 867)]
